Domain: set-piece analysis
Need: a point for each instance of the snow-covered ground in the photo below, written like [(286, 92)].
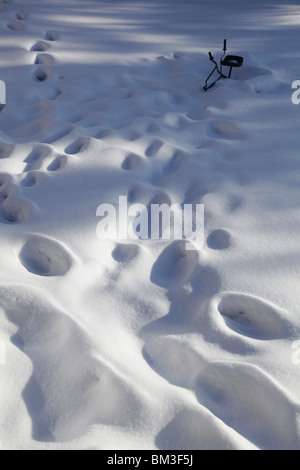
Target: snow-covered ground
[(142, 344)]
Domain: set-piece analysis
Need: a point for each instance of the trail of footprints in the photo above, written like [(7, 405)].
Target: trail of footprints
[(40, 255), (44, 60), (233, 389), (238, 321), (16, 23), (13, 208)]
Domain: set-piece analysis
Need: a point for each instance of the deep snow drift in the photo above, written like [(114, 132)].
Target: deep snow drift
[(142, 344)]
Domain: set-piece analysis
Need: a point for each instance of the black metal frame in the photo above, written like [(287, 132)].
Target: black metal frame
[(229, 61)]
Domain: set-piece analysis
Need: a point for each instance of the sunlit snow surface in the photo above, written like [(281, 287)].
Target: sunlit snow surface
[(142, 344)]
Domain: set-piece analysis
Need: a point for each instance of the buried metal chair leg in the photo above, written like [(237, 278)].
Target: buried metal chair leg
[(229, 61)]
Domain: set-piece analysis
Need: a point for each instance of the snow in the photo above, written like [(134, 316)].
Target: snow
[(149, 343)]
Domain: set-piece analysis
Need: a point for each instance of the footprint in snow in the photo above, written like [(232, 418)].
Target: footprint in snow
[(123, 252), (6, 149), (226, 130), (35, 158), (154, 148), (103, 133), (77, 146), (21, 15), (44, 59), (15, 25), (236, 393), (44, 256), (42, 74), (177, 163), (248, 316), (174, 266), (131, 162), (40, 46), (51, 35), (62, 133), (219, 239), (32, 178), (43, 157), (15, 210), (153, 128), (58, 163)]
